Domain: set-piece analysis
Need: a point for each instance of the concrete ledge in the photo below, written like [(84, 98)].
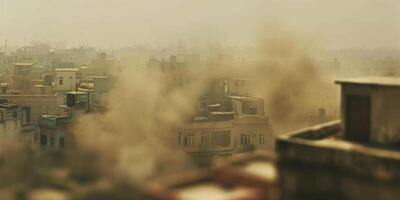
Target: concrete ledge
[(320, 145)]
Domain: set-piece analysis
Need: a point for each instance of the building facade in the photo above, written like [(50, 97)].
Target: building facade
[(237, 125), (10, 120), (39, 104), (356, 157), (52, 132), (66, 79)]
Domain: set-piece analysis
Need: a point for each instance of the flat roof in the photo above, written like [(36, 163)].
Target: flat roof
[(222, 113), (75, 92), (244, 98), (372, 81), (8, 106), (243, 79), (99, 77), (66, 69), (23, 64)]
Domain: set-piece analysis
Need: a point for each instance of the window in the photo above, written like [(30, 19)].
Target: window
[(189, 140), (221, 138), (205, 139), (262, 139), (249, 108), (43, 140), (15, 115), (61, 141), (252, 110), (245, 139), (60, 80), (52, 141)]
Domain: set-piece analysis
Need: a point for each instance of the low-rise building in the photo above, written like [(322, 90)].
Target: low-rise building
[(237, 125), (22, 76), (102, 85), (22, 68), (357, 157), (66, 79), (239, 86), (10, 120), (52, 131), (39, 104)]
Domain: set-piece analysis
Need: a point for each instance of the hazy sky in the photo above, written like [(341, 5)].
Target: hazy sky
[(113, 23)]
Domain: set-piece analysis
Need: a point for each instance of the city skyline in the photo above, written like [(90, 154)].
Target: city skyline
[(113, 24)]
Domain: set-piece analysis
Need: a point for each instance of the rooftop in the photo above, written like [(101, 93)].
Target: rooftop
[(323, 145), (372, 81), (8, 106), (76, 92), (53, 121), (244, 98), (23, 64), (99, 77), (66, 69), (243, 79)]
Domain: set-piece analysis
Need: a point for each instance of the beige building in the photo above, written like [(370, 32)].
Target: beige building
[(239, 125), (22, 76), (356, 157), (10, 120), (370, 109), (39, 104), (52, 132), (66, 79), (239, 86)]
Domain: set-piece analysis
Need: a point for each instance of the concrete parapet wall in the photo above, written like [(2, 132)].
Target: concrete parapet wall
[(317, 145)]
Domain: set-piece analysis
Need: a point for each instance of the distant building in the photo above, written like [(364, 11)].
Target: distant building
[(103, 65), (22, 68), (52, 131), (39, 104), (321, 117), (102, 85), (42, 90), (218, 89), (22, 76), (239, 86), (81, 99), (337, 157), (66, 79), (10, 120), (237, 125), (174, 71)]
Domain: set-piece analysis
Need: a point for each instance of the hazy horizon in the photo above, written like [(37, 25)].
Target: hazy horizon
[(117, 23)]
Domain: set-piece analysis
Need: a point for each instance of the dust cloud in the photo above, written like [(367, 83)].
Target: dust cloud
[(292, 83), (136, 138), (138, 134)]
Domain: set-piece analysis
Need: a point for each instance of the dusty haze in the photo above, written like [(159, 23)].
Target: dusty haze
[(134, 136), (137, 136), (111, 24)]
